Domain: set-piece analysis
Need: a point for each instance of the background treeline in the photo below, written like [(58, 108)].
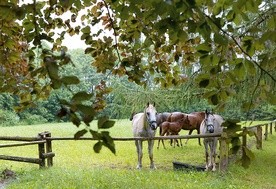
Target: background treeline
[(127, 97)]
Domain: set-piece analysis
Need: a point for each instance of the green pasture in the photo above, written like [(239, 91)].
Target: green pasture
[(76, 165)]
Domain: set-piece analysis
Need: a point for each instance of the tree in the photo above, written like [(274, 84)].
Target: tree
[(224, 43)]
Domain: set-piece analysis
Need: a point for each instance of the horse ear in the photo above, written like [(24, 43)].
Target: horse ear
[(154, 104), (148, 104), (206, 111)]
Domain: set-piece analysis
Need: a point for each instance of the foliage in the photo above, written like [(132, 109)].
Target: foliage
[(218, 46), (8, 118)]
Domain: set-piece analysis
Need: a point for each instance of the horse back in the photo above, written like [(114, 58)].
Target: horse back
[(171, 127), (162, 117), (137, 123), (176, 116)]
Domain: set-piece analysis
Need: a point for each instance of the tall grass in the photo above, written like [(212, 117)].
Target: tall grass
[(77, 166)]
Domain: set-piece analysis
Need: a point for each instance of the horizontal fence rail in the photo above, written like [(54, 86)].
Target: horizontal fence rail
[(44, 149), (18, 138), (21, 144), (140, 138)]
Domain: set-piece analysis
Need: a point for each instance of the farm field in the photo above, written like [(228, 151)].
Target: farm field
[(76, 165)]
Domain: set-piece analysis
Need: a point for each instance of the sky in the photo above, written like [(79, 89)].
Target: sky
[(72, 42)]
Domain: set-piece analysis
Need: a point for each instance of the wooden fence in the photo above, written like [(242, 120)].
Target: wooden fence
[(257, 130), (44, 149), (44, 142)]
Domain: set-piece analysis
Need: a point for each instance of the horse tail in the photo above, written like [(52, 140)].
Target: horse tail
[(160, 129)]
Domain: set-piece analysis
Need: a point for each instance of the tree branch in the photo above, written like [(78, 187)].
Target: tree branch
[(115, 32), (239, 46)]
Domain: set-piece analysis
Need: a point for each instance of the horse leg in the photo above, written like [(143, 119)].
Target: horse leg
[(198, 132), (150, 150), (138, 144), (211, 162), (163, 144), (190, 132), (158, 143), (206, 155), (161, 134), (180, 141), (214, 155), (175, 141)]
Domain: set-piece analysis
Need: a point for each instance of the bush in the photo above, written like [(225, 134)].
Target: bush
[(31, 119), (8, 118)]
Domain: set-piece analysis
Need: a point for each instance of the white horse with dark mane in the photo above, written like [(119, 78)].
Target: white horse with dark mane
[(211, 124), (145, 125)]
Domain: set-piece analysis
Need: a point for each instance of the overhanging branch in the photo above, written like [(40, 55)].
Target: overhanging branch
[(239, 46)]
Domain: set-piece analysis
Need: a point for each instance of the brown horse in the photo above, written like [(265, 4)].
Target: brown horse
[(192, 123), (195, 120), (162, 117), (173, 128)]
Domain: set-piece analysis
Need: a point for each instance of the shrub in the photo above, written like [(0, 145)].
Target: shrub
[(8, 118)]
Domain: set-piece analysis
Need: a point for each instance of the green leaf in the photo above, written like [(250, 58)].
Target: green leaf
[(52, 68), (86, 30), (70, 80), (108, 142), (204, 83), (231, 16), (56, 84), (239, 71), (80, 133), (214, 99), (81, 96), (203, 48), (250, 68), (220, 39), (271, 98), (104, 123), (75, 120), (97, 147), (95, 134), (217, 8)]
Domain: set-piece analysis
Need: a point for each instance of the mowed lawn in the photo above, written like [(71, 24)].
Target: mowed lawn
[(77, 166)]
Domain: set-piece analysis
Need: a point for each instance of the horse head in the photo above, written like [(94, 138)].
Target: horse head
[(209, 121), (151, 115)]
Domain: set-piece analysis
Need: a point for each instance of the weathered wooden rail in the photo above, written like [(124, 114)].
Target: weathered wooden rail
[(44, 149), (258, 133)]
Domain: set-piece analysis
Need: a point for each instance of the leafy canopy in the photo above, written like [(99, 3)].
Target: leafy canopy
[(226, 43)]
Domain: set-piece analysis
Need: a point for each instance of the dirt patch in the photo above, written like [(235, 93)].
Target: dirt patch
[(6, 177)]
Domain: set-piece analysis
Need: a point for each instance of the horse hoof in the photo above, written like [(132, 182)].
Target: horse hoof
[(152, 167), (139, 167)]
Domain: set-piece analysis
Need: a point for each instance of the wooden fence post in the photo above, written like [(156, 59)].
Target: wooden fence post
[(259, 138), (270, 127), (41, 151), (49, 150), (266, 131), (223, 164)]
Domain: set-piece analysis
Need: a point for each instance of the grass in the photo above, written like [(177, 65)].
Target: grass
[(77, 166)]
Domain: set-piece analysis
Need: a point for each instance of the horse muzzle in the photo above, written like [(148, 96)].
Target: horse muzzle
[(210, 128), (153, 125)]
